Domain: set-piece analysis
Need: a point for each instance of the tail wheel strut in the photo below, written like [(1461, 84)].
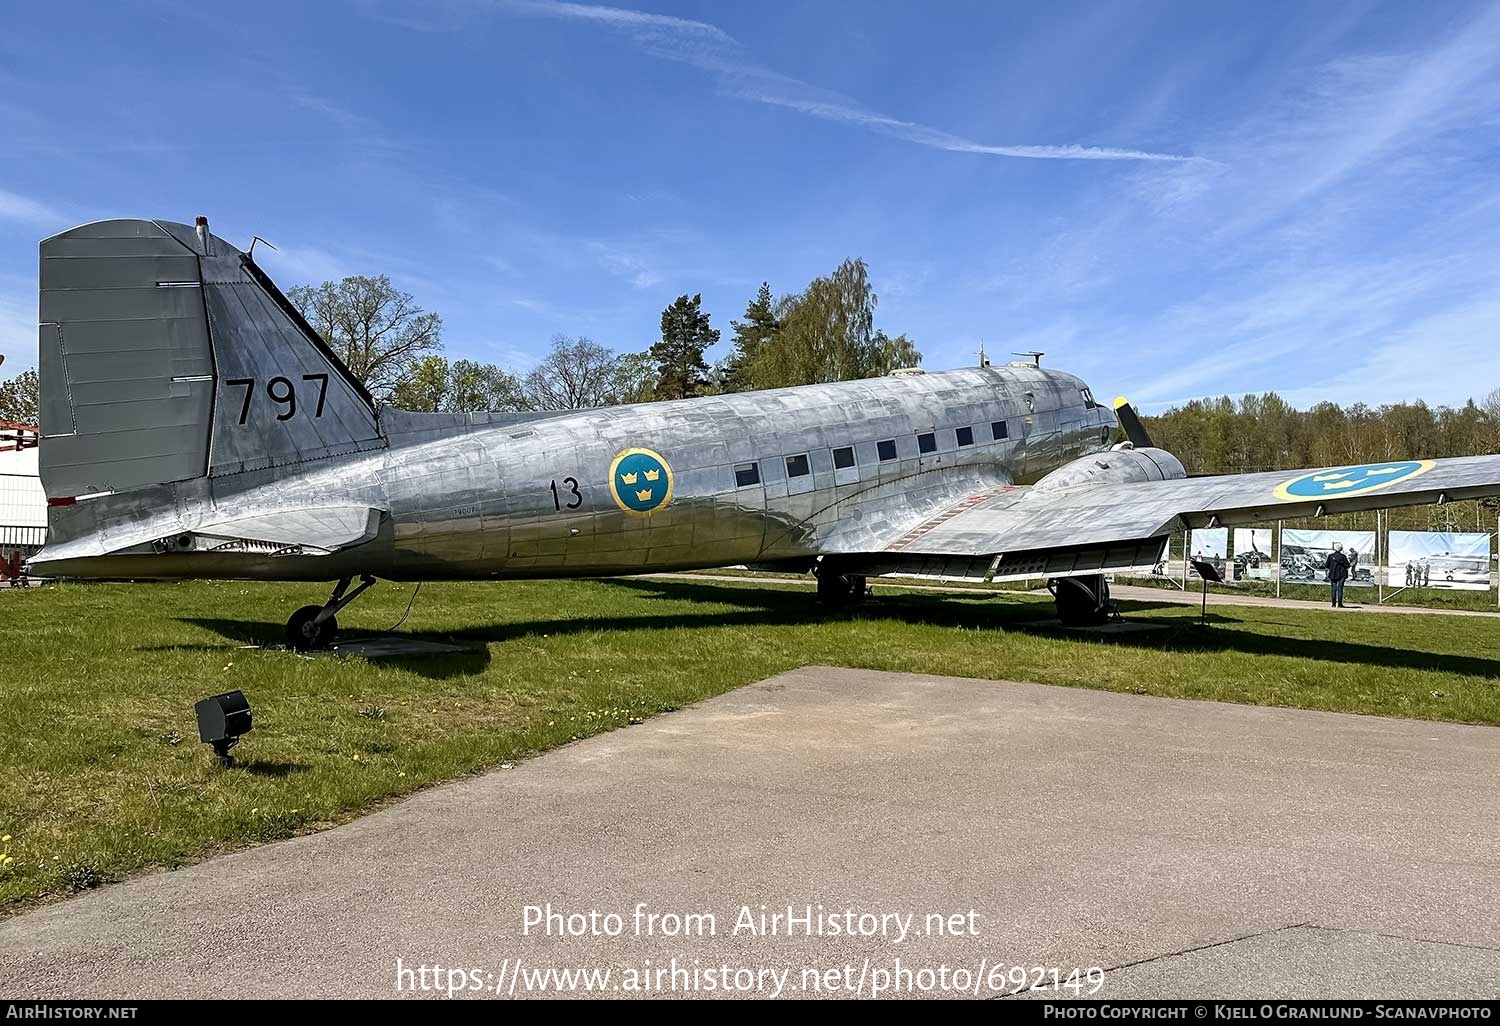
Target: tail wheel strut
[(314, 627)]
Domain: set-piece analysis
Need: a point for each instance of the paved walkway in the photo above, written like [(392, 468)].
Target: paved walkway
[(1188, 848)]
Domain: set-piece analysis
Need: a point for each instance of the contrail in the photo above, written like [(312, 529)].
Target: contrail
[(705, 46)]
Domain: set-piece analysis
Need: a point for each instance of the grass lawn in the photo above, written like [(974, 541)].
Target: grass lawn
[(1365, 595), (103, 773)]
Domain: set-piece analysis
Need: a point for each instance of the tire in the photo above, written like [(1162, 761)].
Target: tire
[(1081, 601), (840, 591), (305, 635)]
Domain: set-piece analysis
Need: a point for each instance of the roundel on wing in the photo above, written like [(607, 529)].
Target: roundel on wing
[(1346, 481), (640, 481)]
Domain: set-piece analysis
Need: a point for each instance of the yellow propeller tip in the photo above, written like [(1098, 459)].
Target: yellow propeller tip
[(1120, 400)]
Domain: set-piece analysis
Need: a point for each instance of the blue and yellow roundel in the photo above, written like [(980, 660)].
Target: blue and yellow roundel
[(1345, 481), (640, 481)]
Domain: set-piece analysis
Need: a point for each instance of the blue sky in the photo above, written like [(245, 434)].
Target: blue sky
[(1171, 199)]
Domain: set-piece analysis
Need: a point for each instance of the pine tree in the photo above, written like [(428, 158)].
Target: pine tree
[(758, 330), (685, 335)]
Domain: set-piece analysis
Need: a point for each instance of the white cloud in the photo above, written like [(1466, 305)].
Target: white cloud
[(1363, 121), (15, 207), (625, 264), (709, 48), (301, 265), (1343, 248), (17, 331)]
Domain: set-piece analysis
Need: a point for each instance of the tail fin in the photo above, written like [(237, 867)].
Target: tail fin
[(165, 354)]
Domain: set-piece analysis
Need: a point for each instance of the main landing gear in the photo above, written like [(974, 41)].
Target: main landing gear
[(840, 591), (315, 626), (1082, 601)]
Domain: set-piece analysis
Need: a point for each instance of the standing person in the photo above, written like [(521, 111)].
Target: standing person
[(1337, 565)]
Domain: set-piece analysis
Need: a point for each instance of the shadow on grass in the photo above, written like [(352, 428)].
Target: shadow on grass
[(271, 636), (271, 769), (1183, 637), (752, 606)]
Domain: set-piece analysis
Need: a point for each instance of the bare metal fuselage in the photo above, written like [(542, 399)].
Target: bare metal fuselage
[(481, 497)]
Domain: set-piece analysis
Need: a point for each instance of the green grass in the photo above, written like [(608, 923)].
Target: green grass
[(104, 776), (1365, 595)]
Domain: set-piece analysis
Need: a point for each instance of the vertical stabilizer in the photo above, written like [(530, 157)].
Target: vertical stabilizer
[(166, 354)]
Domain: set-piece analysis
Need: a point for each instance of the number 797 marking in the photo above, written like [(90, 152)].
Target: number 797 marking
[(286, 396)]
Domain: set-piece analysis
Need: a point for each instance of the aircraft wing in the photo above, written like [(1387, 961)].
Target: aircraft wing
[(1013, 532)]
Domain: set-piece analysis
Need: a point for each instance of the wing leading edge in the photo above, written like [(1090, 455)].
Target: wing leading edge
[(1091, 527)]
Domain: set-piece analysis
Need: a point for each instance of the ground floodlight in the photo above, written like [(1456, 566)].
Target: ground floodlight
[(222, 721)]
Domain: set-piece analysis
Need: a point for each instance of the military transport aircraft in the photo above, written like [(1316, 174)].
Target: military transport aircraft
[(194, 426)]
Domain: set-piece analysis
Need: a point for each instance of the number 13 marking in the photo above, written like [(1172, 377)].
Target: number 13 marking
[(575, 498)]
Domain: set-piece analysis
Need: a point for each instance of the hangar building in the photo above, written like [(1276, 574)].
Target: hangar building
[(23, 504)]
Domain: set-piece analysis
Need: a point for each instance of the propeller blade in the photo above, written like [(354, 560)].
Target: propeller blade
[(1131, 424)]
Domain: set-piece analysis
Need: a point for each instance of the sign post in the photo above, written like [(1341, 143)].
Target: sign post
[(1279, 558)]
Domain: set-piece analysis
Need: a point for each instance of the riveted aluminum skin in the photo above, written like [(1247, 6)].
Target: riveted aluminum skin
[(194, 426)]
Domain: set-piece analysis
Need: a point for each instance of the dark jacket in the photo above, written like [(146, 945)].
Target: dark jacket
[(1337, 566)]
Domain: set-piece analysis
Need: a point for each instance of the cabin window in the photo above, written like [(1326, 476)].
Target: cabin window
[(796, 466), (927, 443), (843, 458), (999, 431), (886, 450), (746, 474), (965, 436)]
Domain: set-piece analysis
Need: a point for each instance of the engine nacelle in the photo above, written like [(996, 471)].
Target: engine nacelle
[(1117, 466)]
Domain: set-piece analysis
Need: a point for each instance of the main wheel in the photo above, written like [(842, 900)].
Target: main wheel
[(304, 633), (1081, 601), (839, 591)]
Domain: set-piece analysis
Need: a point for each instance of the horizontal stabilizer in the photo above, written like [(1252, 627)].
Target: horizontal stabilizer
[(327, 528)]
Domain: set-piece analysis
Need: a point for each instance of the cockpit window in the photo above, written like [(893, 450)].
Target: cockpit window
[(1088, 398)]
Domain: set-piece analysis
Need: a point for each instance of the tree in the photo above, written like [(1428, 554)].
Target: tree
[(758, 330), (685, 335), (377, 330), (827, 333), (465, 386), (424, 387), (578, 374), (888, 354), (475, 387), (635, 379), (20, 398)]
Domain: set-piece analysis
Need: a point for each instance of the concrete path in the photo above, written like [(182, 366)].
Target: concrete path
[(1186, 848)]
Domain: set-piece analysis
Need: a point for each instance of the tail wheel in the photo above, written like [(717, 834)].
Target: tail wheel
[(304, 633)]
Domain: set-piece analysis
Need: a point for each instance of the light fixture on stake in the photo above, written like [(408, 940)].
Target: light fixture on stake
[(222, 721)]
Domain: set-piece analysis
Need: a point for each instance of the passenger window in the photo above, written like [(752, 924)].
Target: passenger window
[(843, 458), (886, 450), (965, 436), (796, 466), (927, 443), (999, 430), (746, 474)]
